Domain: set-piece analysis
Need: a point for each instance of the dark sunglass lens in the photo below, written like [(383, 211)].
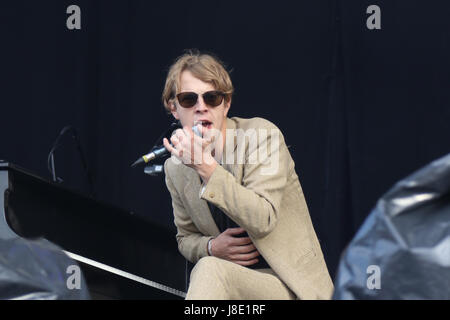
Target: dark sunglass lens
[(187, 99), (213, 98)]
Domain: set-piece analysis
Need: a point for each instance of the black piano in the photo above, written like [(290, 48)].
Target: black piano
[(121, 255)]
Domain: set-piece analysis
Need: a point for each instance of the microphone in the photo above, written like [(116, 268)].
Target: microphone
[(159, 152), (156, 153)]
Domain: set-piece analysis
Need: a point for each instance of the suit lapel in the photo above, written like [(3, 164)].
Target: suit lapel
[(229, 146), (200, 213)]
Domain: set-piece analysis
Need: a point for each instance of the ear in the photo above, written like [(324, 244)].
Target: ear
[(173, 109), (226, 107)]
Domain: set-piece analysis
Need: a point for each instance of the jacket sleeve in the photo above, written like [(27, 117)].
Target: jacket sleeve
[(192, 244), (255, 202)]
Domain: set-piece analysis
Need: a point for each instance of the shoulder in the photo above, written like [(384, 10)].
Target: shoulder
[(253, 123)]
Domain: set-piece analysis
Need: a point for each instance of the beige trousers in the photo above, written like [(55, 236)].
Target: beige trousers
[(217, 279)]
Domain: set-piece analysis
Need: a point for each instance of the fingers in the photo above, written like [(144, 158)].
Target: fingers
[(167, 145), (244, 249), (210, 136), (176, 139), (179, 135), (235, 241), (189, 134), (238, 250), (247, 263), (245, 256), (242, 241), (234, 231), (185, 139), (170, 148), (187, 131), (205, 136)]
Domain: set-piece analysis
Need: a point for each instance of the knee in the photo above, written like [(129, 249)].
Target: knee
[(207, 265), (212, 269), (207, 280)]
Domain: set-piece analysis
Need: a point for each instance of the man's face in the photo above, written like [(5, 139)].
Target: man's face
[(211, 117)]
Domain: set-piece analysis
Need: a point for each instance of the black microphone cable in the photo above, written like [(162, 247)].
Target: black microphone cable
[(56, 145)]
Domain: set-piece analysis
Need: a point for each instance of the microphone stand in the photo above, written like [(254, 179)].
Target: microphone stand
[(52, 159), (56, 145)]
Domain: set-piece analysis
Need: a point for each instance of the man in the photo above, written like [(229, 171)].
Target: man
[(238, 205)]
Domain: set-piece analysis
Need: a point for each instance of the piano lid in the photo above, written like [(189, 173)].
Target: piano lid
[(84, 227)]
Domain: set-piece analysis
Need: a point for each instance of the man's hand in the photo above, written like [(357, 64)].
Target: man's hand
[(238, 250), (193, 151)]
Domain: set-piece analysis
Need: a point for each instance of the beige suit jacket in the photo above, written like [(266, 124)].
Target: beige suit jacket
[(270, 207)]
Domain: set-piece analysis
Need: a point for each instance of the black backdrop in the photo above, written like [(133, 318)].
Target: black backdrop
[(361, 108)]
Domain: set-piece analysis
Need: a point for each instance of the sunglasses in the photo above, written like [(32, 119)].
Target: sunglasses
[(211, 98)]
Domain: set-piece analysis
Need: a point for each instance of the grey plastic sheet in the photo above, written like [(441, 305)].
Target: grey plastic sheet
[(402, 250), (38, 270)]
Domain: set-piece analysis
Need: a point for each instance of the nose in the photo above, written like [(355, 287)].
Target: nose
[(200, 106)]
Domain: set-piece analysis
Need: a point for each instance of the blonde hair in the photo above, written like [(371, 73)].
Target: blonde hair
[(202, 66)]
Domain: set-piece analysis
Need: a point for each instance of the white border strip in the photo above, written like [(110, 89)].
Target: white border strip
[(125, 274)]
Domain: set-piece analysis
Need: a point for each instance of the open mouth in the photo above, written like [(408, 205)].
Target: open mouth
[(206, 124)]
